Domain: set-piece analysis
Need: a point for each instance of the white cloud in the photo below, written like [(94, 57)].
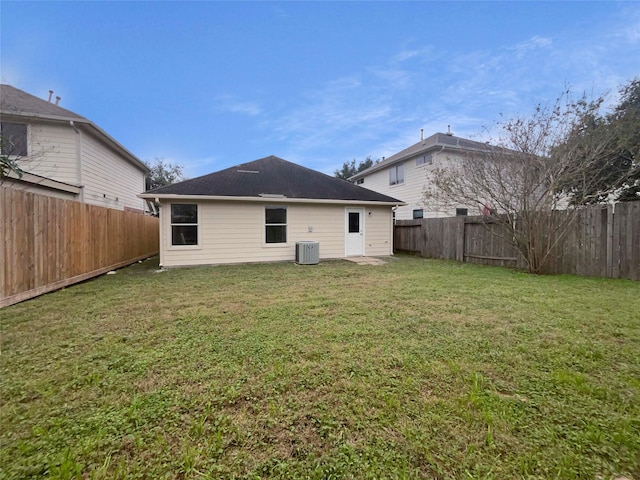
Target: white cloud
[(416, 53), (533, 43), (628, 23), (232, 104), (380, 109)]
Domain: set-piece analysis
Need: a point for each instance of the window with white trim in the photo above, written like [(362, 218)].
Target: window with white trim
[(14, 139), (418, 213), (184, 224), (275, 224), (360, 181), (396, 174)]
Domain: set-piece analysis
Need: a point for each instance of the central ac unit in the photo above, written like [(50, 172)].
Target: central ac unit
[(307, 253)]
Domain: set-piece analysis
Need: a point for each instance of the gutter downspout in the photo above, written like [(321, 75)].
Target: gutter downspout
[(78, 158)]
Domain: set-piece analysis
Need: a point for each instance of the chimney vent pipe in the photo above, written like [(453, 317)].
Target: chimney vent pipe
[(50, 95), (57, 99)]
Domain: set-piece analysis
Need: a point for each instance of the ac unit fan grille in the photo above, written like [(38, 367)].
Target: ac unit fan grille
[(307, 253)]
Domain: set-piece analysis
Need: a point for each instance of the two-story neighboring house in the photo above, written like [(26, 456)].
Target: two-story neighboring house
[(405, 175), (65, 155)]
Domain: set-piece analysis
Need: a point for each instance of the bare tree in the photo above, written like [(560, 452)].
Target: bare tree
[(520, 177), (16, 163), (8, 161)]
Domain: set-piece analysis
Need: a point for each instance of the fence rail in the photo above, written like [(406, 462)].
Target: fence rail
[(603, 241), (48, 243)]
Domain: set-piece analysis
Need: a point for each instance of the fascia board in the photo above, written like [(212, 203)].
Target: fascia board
[(151, 196), (46, 182), (392, 161)]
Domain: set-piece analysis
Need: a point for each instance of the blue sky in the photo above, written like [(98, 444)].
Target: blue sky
[(212, 84)]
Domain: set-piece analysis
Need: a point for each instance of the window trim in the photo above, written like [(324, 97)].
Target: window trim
[(265, 225), (426, 159), (418, 213), (395, 168), (197, 245)]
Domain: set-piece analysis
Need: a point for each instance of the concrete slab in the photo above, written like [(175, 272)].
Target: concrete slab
[(366, 260)]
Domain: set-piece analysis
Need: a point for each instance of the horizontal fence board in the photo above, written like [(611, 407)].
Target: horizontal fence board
[(49, 243), (600, 241)]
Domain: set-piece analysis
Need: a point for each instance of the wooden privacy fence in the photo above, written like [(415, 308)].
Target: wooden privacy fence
[(48, 243), (603, 241)]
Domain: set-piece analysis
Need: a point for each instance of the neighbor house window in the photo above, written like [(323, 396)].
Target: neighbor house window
[(418, 213), (14, 139), (275, 224), (424, 160), (462, 212), (184, 224), (360, 181), (396, 174)]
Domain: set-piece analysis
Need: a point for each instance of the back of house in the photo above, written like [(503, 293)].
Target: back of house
[(260, 211)]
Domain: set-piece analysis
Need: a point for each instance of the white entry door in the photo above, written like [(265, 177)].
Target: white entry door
[(354, 232)]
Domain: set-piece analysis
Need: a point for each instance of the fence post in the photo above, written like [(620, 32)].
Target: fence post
[(460, 232), (423, 238), (610, 220)]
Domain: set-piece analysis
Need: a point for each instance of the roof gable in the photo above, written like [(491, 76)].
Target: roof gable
[(434, 142), (18, 102), (14, 101), (272, 177)]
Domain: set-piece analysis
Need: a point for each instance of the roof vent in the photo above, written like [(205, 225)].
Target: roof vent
[(248, 171), (271, 195), (449, 131)]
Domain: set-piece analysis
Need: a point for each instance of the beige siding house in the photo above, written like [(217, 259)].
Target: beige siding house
[(258, 211), (405, 175), (65, 155)]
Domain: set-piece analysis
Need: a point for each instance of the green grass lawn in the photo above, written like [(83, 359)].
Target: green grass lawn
[(414, 369)]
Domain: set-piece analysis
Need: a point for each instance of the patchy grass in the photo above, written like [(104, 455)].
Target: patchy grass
[(414, 369)]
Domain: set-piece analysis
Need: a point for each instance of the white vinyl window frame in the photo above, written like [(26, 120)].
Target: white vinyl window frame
[(396, 174), (273, 225)]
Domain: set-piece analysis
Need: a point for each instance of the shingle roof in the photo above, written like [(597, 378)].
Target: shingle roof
[(18, 102), (14, 101), (435, 141), (272, 176)]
